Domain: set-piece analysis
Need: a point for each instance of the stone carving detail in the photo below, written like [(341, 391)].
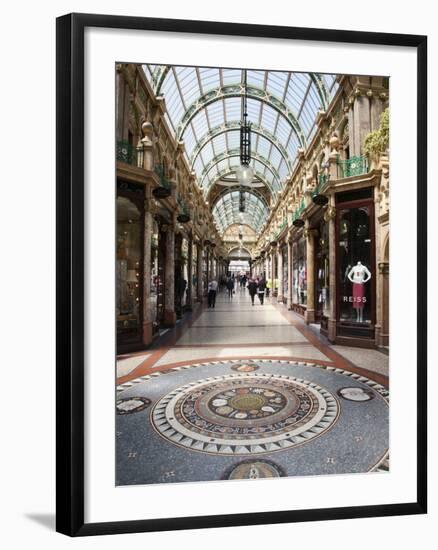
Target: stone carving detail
[(383, 195)]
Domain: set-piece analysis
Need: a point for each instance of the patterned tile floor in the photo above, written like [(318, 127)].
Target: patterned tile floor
[(243, 391)]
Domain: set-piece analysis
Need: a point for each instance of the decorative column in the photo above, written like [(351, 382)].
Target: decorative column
[(147, 305), (310, 234), (280, 274), (289, 273), (330, 218), (169, 279), (199, 256), (382, 335)]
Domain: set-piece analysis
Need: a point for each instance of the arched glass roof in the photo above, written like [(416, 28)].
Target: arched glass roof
[(204, 109), (226, 211)]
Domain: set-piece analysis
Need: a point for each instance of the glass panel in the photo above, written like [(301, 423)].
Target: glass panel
[(299, 280), (322, 271), (155, 286), (128, 270), (355, 270), (285, 271)]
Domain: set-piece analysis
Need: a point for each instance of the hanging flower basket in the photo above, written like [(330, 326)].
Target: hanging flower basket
[(161, 193), (319, 199)]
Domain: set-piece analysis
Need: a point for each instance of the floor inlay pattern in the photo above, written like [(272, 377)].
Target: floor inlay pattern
[(207, 419), (245, 413), (254, 469), (131, 405)]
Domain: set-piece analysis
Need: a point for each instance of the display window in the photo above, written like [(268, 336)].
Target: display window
[(356, 264), (155, 278), (285, 271), (322, 294), (194, 271), (128, 271), (184, 274), (299, 279)]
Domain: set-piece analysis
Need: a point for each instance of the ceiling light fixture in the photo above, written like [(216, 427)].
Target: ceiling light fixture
[(244, 172)]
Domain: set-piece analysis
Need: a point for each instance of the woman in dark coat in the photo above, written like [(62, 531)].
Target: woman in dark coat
[(261, 290), (252, 289)]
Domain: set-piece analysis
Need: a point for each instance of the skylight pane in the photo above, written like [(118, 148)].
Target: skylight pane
[(215, 113), (231, 76), (256, 78), (209, 79), (277, 83), (233, 106), (200, 123)]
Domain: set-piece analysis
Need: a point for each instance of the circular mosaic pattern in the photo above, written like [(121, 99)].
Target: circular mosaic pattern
[(245, 368), (131, 405), (356, 394), (255, 469), (245, 413)]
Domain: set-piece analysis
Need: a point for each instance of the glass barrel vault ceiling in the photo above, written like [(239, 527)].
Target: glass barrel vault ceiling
[(226, 211), (204, 109)]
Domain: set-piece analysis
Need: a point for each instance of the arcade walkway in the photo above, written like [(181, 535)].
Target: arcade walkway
[(248, 391)]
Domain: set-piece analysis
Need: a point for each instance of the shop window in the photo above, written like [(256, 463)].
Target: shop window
[(299, 281), (322, 272), (355, 265), (155, 275), (128, 270), (285, 271)]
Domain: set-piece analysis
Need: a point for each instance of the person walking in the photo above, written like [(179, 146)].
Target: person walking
[(212, 289), (252, 289), (268, 287), (261, 290), (230, 287)]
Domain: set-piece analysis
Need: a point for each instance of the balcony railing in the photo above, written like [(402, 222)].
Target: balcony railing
[(322, 182), (298, 211), (126, 153), (164, 182), (354, 166)]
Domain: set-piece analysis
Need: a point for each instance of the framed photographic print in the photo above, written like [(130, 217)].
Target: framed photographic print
[(241, 265)]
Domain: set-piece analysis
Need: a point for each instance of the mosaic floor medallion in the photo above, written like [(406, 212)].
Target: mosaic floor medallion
[(245, 414), (245, 368), (132, 405), (356, 394), (255, 469)]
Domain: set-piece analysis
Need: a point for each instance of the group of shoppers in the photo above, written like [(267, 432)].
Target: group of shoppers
[(257, 286)]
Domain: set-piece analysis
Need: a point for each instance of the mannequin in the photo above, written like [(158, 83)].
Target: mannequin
[(359, 275)]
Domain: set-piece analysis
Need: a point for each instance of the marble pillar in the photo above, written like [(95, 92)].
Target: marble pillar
[(361, 115), (169, 279)]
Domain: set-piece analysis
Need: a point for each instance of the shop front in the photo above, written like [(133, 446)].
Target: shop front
[(299, 275), (355, 285), (129, 265), (322, 276)]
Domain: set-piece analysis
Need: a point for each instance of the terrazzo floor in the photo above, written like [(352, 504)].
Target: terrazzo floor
[(243, 391)]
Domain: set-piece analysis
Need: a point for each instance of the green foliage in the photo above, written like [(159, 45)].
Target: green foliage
[(377, 142)]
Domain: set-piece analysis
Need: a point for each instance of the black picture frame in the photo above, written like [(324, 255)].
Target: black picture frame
[(70, 272)]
